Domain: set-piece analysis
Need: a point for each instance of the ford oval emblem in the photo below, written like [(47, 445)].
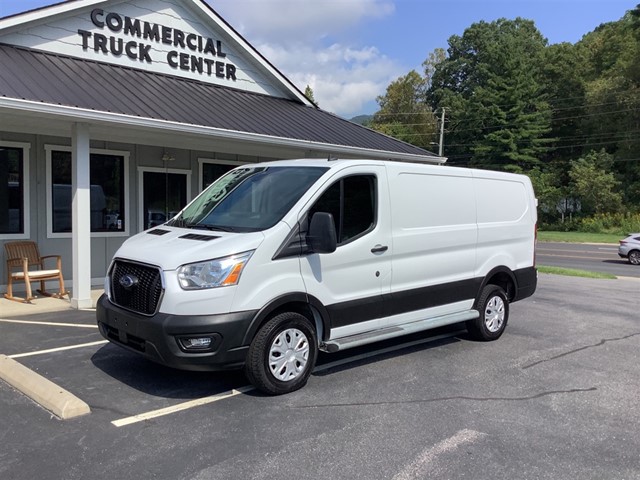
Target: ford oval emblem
[(128, 281)]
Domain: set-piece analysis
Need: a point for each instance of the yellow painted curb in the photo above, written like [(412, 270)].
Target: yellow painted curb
[(54, 398)]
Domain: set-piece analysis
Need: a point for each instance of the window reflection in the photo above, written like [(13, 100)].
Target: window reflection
[(11, 190), (106, 192), (212, 171), (165, 194)]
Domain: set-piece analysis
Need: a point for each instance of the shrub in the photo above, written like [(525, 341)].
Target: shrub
[(618, 223), (615, 223)]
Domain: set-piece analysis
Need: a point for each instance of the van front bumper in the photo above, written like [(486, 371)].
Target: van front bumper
[(162, 337)]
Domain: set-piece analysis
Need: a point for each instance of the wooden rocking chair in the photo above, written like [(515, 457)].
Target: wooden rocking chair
[(23, 255)]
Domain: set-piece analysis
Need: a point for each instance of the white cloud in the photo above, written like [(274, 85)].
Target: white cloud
[(280, 21), (343, 78), (305, 40)]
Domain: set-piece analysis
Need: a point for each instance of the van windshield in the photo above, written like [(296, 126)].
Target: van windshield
[(248, 199)]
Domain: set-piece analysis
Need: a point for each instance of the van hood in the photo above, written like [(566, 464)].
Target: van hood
[(171, 247)]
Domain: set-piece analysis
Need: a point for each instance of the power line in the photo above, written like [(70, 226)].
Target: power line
[(504, 125), (608, 136), (515, 124), (452, 161), (625, 91)]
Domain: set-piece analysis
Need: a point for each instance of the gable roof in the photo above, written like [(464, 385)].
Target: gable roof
[(59, 81), (40, 16)]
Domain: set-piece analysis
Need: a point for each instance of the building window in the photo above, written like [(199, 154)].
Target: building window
[(13, 190), (211, 170), (107, 175)]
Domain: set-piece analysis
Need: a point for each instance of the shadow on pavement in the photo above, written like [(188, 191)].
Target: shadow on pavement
[(154, 379)]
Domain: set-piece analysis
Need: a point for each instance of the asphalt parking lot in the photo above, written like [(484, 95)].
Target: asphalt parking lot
[(556, 397)]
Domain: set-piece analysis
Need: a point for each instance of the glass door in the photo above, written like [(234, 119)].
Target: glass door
[(164, 194)]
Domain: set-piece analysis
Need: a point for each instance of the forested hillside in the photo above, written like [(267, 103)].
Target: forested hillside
[(568, 115)]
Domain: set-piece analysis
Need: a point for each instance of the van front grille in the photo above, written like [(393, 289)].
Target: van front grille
[(136, 287)]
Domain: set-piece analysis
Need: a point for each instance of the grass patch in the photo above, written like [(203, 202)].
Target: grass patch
[(578, 237), (570, 272)]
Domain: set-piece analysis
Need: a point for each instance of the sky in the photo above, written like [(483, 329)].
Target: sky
[(349, 51)]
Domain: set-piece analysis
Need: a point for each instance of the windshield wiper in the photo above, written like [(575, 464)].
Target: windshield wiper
[(177, 222), (219, 228)]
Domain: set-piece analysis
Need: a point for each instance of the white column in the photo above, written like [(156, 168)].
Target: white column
[(81, 214)]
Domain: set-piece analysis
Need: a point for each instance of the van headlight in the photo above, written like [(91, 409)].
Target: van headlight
[(219, 272)]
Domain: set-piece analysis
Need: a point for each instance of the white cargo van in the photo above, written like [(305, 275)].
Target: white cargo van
[(276, 261)]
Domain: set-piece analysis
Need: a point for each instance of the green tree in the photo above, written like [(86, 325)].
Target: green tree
[(594, 184), (308, 92), (563, 69), (404, 113), (491, 83), (515, 103), (430, 65), (612, 85), (549, 192)]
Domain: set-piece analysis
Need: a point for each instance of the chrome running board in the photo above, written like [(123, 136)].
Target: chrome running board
[(344, 343)]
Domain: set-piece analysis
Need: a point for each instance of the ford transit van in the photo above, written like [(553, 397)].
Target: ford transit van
[(276, 261)]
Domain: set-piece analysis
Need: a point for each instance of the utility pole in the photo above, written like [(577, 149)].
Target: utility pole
[(441, 149)]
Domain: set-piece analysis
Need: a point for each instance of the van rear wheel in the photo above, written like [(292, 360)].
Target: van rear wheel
[(493, 306), (282, 354)]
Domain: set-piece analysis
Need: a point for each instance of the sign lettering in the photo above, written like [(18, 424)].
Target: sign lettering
[(200, 55)]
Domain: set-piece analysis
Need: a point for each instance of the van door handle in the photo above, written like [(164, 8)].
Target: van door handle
[(379, 249)]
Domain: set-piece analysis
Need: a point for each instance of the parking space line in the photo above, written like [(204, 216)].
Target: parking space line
[(181, 406), (59, 349), (423, 464), (30, 322), (232, 393)]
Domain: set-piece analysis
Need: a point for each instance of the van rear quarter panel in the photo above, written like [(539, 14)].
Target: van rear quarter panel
[(506, 216), (433, 219)]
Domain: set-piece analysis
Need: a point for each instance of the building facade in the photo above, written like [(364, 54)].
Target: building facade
[(115, 114)]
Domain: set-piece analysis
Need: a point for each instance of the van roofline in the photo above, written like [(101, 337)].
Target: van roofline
[(334, 162)]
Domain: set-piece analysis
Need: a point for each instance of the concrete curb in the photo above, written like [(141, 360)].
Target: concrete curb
[(631, 279), (57, 400)]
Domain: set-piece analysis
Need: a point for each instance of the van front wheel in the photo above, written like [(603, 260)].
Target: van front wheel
[(282, 354), (493, 306)]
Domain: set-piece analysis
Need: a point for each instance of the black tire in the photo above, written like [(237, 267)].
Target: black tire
[(634, 257), (276, 377), (493, 306)]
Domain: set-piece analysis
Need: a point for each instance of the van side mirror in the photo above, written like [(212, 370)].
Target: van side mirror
[(322, 233)]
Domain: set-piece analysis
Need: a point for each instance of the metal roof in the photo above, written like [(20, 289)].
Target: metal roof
[(53, 79)]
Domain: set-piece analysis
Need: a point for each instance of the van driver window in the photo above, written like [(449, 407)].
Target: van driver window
[(351, 201)]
